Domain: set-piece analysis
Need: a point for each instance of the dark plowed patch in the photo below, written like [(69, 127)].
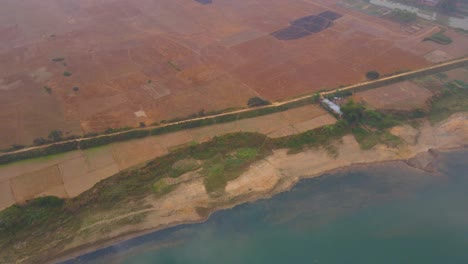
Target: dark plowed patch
[(313, 24), (204, 2), (330, 15), (306, 26), (291, 32)]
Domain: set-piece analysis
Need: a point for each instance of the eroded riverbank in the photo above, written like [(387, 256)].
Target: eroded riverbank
[(189, 202)]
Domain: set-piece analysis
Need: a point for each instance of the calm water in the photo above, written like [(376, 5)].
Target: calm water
[(379, 214)]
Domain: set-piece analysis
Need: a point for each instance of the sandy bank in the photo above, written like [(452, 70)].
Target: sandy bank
[(190, 203)]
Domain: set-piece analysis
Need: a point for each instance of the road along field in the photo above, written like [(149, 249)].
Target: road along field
[(71, 173), (84, 66)]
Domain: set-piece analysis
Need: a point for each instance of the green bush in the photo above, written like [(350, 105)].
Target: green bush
[(372, 75), (56, 135), (257, 101), (34, 212)]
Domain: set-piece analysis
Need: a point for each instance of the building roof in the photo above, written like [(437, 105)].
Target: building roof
[(334, 107)]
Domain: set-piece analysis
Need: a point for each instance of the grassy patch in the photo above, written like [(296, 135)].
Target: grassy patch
[(162, 187), (439, 38), (183, 166), (453, 99), (223, 168), (322, 136), (368, 139), (379, 120)]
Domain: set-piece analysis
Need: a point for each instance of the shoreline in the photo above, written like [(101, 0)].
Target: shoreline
[(452, 138)]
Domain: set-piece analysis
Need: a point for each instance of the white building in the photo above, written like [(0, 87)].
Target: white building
[(332, 106)]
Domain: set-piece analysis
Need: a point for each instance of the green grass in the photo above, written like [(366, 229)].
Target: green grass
[(440, 38), (183, 166), (453, 99), (368, 139), (322, 136), (161, 187), (379, 120), (221, 169)]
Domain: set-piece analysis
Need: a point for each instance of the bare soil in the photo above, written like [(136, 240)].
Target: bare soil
[(173, 58)]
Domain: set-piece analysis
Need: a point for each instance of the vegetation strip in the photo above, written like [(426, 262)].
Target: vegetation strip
[(99, 140)]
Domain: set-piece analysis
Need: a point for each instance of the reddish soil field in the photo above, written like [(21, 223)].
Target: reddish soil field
[(147, 61), (404, 96)]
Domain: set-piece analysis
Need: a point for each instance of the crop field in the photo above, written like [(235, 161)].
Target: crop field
[(84, 66), (404, 96)]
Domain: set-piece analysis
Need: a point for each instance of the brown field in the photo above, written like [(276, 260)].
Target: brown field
[(39, 183), (146, 61), (400, 96)]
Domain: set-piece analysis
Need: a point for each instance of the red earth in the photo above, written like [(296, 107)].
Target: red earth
[(153, 60)]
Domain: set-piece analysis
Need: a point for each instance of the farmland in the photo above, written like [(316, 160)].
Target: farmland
[(117, 63)]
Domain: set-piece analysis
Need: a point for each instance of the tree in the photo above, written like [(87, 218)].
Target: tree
[(76, 88), (372, 75), (316, 98), (56, 135), (142, 124), (39, 141), (257, 101), (352, 111)]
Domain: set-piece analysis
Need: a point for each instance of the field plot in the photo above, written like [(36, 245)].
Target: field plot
[(85, 66), (40, 183), (400, 96)]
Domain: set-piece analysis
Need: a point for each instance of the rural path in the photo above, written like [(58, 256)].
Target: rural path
[(384, 81), (105, 221)]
